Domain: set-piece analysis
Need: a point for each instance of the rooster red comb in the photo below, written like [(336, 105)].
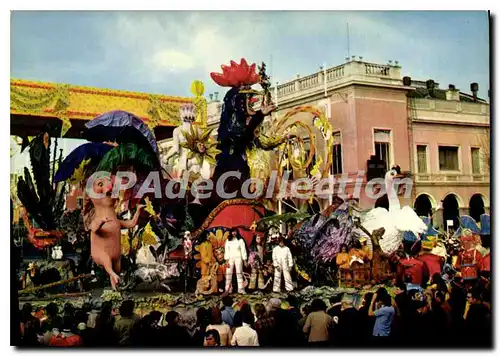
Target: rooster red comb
[(236, 75)]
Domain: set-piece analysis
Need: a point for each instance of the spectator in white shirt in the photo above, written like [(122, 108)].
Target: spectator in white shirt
[(244, 335)]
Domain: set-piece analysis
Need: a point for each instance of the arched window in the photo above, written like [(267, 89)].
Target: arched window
[(476, 206)]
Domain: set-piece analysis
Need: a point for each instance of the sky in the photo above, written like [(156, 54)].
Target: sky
[(164, 51)]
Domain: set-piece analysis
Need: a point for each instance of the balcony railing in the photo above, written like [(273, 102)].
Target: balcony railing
[(359, 70), (451, 178), (452, 106)]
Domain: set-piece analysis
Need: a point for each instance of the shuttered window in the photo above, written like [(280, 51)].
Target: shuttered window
[(448, 158), (476, 160), (383, 146), (422, 158)]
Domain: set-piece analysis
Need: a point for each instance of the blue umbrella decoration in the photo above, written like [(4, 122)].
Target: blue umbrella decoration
[(121, 127), (94, 151), (137, 143)]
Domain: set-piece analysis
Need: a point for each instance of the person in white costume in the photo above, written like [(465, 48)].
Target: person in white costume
[(235, 252), (283, 263), (187, 114)]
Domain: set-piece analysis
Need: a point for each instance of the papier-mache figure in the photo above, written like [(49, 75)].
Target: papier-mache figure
[(186, 161), (100, 218), (235, 252), (283, 263), (57, 253)]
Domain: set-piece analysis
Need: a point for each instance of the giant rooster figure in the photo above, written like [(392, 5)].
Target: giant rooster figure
[(239, 121)]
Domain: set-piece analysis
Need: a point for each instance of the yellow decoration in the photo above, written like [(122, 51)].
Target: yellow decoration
[(317, 166), (201, 111), (84, 103), (135, 243), (259, 163), (200, 137), (148, 236), (79, 173), (218, 239), (55, 100), (320, 122), (197, 88), (302, 273), (149, 207), (205, 256), (125, 243)]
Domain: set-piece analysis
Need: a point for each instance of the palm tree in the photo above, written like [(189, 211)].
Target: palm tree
[(43, 200)]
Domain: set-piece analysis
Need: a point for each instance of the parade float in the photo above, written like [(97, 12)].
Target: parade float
[(193, 246)]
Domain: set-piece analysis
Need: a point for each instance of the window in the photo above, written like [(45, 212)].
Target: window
[(383, 145), (448, 158), (422, 158), (337, 154), (476, 160)]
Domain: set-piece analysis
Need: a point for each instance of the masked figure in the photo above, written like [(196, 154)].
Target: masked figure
[(235, 252), (283, 263), (105, 228), (179, 139)]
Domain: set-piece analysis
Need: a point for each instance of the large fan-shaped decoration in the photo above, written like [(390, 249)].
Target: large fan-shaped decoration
[(93, 151), (122, 127), (127, 154), (236, 75)]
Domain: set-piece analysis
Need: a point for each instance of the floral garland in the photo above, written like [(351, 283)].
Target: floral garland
[(160, 110), (57, 99)]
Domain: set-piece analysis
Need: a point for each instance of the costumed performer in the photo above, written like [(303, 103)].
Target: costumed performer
[(283, 263), (256, 260), (469, 259), (356, 253), (432, 262), (342, 259), (235, 252)]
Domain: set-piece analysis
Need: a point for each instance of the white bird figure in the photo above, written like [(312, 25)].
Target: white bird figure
[(395, 221)]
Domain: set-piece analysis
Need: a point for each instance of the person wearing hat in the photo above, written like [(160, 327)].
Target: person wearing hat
[(432, 263), (469, 259), (283, 263), (485, 234)]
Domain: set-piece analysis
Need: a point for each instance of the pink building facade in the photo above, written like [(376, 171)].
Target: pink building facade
[(440, 136)]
